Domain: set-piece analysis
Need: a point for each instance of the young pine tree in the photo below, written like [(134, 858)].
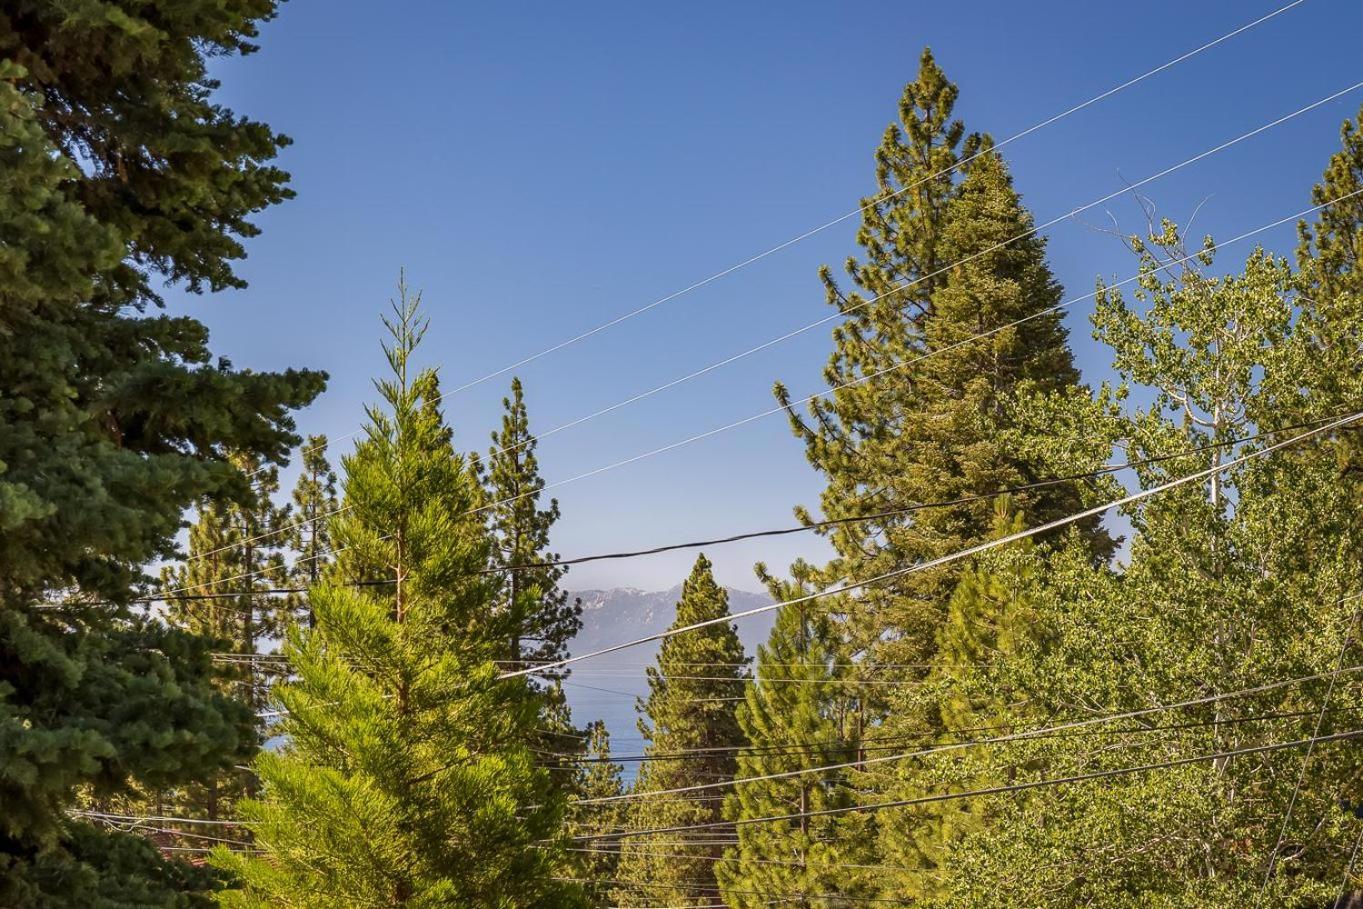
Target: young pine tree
[(689, 721), (544, 620), (794, 720), (406, 779)]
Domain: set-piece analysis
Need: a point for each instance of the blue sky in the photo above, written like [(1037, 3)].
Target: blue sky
[(540, 168)]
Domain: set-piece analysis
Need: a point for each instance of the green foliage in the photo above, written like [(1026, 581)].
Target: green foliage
[(1230, 583), (689, 721), (917, 412), (118, 171), (315, 505), (798, 715), (407, 777), (598, 777)]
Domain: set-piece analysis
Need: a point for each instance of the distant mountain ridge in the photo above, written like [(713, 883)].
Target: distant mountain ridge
[(620, 614), (625, 613)]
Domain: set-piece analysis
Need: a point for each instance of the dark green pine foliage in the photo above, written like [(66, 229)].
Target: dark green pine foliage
[(796, 718), (407, 778), (598, 777), (689, 721), (315, 505), (544, 619), (916, 412), (117, 172)]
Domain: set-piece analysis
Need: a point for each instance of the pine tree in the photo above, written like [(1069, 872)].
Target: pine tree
[(545, 621), (118, 171), (689, 721), (795, 719), (946, 259), (221, 592), (598, 777), (407, 778), (315, 506), (949, 327)]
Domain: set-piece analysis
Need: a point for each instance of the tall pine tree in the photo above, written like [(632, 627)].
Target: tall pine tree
[(407, 778), (917, 412), (118, 171), (689, 721)]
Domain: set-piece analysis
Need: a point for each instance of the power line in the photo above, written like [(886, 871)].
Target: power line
[(850, 383), (178, 595), (879, 200), (894, 743), (1105, 470), (1306, 759), (717, 889), (993, 790), (947, 559), (159, 819), (625, 848), (842, 313), (1348, 871), (939, 749)]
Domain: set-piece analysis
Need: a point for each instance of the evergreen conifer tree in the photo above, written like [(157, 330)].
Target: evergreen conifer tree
[(544, 619), (988, 629), (235, 555), (315, 505), (407, 778), (118, 171), (795, 718), (927, 422), (689, 722)]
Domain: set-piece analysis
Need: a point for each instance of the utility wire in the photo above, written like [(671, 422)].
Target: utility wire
[(1030, 734), (894, 743), (1306, 758), (940, 749), (843, 313), (848, 384), (880, 199), (993, 790), (946, 559), (1348, 873), (705, 889), (1105, 470)]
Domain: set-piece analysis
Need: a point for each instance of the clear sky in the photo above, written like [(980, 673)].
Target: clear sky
[(539, 168)]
